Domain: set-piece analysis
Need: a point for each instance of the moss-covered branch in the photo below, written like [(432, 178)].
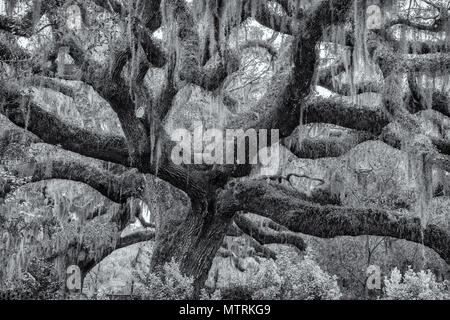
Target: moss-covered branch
[(285, 208), (116, 187), (267, 236), (136, 237), (23, 112), (314, 148), (339, 112)]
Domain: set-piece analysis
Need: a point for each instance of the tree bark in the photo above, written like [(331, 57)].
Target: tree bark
[(193, 240)]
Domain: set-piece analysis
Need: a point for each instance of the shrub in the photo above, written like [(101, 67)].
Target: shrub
[(415, 286), (305, 280), (205, 295), (289, 278), (167, 284), (267, 282), (237, 292)]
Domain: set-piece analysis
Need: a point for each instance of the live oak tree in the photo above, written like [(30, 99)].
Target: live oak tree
[(198, 49)]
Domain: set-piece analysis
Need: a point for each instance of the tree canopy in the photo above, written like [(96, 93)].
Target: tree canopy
[(330, 75)]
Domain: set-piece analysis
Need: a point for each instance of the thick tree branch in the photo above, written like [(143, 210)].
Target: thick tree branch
[(118, 188), (136, 237), (26, 114), (339, 112), (438, 25), (51, 83), (391, 61), (269, 18), (323, 147), (331, 221), (190, 68), (266, 236)]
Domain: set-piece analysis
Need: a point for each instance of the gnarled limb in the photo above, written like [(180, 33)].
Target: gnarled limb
[(118, 188), (331, 221), (51, 83), (267, 236), (26, 114), (314, 148), (268, 18), (135, 237), (337, 111)]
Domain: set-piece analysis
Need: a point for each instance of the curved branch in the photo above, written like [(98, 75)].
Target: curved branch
[(391, 61), (51, 83), (281, 107), (314, 148), (118, 188), (268, 18), (26, 114), (438, 25), (260, 44), (424, 98), (339, 112), (191, 71), (331, 221), (432, 63), (266, 236), (136, 237)]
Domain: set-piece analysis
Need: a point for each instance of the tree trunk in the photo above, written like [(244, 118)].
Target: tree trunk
[(192, 241)]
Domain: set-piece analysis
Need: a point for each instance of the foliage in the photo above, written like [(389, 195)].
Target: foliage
[(39, 281), (166, 284), (306, 280), (58, 226), (237, 291), (215, 295), (412, 285), (289, 278)]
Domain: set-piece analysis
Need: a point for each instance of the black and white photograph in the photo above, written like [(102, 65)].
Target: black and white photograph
[(224, 150)]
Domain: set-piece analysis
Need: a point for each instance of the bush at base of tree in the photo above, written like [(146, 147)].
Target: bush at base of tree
[(412, 285), (289, 278), (167, 284)]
